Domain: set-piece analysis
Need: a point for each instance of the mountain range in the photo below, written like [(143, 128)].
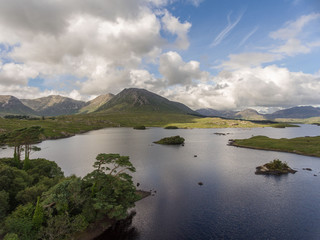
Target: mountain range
[(251, 114), (133, 100)]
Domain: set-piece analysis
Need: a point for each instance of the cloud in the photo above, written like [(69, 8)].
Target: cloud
[(225, 31), (293, 28), (255, 87), (291, 35), (248, 36), (99, 41), (195, 2), (174, 26), (12, 74), (248, 60), (175, 71)]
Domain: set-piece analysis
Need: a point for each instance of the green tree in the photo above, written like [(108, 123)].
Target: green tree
[(4, 204), (38, 215)]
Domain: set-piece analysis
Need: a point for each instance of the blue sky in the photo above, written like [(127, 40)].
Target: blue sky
[(205, 53)]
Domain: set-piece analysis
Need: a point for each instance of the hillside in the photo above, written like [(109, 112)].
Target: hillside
[(141, 100), (54, 105), (296, 112), (12, 105), (94, 104), (248, 114)]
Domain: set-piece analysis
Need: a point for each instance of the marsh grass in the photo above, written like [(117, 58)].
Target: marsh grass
[(302, 145)]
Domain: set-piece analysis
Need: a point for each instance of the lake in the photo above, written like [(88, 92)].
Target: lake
[(232, 203)]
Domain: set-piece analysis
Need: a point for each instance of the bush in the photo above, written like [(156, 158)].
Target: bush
[(175, 140), (276, 164), (171, 127), (139, 127)]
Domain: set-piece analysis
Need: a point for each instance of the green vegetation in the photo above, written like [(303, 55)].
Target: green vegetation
[(277, 164), (217, 123), (139, 127), (275, 167), (175, 140), (302, 145), (40, 203), (171, 127), (283, 125)]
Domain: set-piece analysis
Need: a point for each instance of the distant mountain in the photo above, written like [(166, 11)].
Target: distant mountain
[(141, 100), (296, 112), (209, 112), (249, 114), (12, 105), (54, 105), (94, 104)]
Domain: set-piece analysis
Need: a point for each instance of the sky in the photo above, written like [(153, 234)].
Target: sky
[(225, 55)]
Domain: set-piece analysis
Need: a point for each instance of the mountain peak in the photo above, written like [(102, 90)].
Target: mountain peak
[(141, 100)]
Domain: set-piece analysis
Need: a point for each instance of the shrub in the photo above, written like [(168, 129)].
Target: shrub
[(276, 164), (139, 127), (171, 127), (175, 140)]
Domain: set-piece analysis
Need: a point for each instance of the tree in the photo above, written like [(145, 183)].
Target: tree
[(120, 163), (112, 190), (20, 137)]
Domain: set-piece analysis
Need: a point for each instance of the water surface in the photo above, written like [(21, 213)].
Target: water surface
[(232, 203)]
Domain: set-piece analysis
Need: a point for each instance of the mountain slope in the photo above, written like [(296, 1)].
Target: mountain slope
[(249, 114), (94, 104), (12, 105), (141, 100), (296, 112), (54, 105), (209, 112)]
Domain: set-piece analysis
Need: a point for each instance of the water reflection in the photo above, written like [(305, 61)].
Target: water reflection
[(233, 203)]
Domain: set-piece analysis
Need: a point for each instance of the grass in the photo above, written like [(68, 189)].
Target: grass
[(283, 125), (65, 126), (217, 123), (308, 146)]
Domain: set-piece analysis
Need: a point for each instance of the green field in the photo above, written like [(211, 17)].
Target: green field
[(309, 146)]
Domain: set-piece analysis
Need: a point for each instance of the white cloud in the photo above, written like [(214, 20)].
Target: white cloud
[(255, 87), (293, 28), (226, 30), (291, 35), (175, 71), (245, 39), (12, 74), (174, 26), (247, 60)]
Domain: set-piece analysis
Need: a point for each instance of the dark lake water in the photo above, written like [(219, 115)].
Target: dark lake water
[(232, 203)]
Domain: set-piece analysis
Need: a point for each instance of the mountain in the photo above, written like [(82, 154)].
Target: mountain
[(54, 105), (247, 114), (141, 100), (209, 112), (12, 105), (296, 112), (94, 104)]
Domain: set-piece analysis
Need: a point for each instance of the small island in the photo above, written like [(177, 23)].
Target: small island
[(275, 167), (175, 140), (171, 127), (139, 127)]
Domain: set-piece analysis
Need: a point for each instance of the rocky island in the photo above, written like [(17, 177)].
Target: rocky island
[(275, 167)]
